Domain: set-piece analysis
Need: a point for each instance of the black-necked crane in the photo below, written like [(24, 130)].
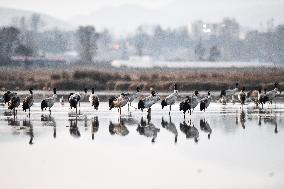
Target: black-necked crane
[(149, 101), (8, 96), (204, 102), (94, 100), (118, 102), (189, 103), (28, 102), (229, 92), (74, 100), (171, 99), (133, 96), (14, 103), (242, 96), (49, 102)]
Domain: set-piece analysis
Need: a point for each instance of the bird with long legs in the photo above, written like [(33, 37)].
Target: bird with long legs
[(149, 101), (28, 102), (132, 97), (74, 100), (94, 100), (49, 102), (14, 103), (242, 97), (171, 99), (205, 101), (118, 102)]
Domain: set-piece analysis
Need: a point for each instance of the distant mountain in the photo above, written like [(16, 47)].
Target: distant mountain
[(125, 18), (8, 16)]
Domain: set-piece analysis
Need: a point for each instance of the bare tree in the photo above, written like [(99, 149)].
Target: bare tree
[(8, 39), (87, 47)]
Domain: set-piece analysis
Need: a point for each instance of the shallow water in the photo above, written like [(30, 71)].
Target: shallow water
[(226, 148)]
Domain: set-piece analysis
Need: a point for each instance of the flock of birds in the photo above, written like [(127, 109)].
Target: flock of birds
[(188, 104)]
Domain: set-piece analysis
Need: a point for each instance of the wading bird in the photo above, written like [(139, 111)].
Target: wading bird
[(149, 101), (14, 103), (242, 96), (94, 100), (118, 102), (49, 102), (8, 96), (74, 100), (229, 93), (133, 96), (171, 99), (204, 102), (28, 101)]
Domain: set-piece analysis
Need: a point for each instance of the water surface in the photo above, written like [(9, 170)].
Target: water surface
[(224, 147)]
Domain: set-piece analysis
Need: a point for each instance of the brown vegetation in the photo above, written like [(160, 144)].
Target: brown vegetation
[(197, 79)]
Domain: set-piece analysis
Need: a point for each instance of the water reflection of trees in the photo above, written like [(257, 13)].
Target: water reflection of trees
[(148, 129)]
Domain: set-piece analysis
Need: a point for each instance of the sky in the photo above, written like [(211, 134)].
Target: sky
[(75, 7), (122, 16)]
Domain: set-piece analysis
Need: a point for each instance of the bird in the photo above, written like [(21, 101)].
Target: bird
[(94, 100), (242, 96), (229, 92), (8, 96), (171, 99), (189, 103), (270, 95), (185, 105), (148, 101), (49, 102), (133, 96), (204, 102), (118, 102), (14, 103), (28, 101), (253, 96), (61, 100), (74, 99)]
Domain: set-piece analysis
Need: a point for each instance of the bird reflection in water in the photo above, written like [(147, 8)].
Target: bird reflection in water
[(95, 126), (190, 131), (204, 126), (30, 131), (147, 129), (118, 128), (243, 119), (271, 120), (48, 120), (170, 126), (73, 128), (13, 121)]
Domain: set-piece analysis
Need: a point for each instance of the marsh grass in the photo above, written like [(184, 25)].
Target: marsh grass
[(103, 79)]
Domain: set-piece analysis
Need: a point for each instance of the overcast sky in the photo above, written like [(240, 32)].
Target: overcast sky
[(127, 14), (65, 9)]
